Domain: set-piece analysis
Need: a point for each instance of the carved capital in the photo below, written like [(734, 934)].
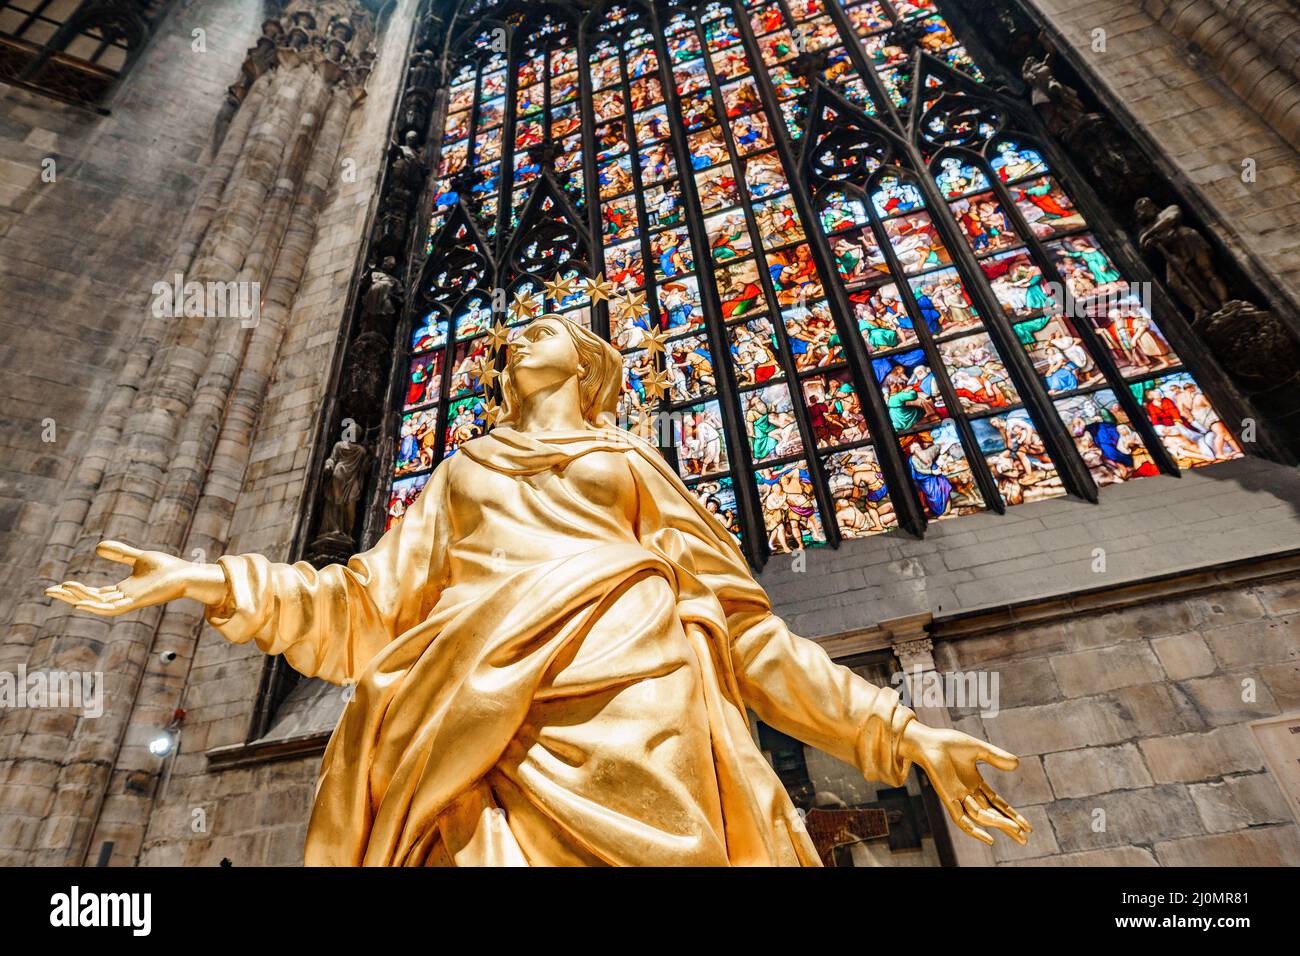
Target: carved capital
[(334, 36), (915, 653)]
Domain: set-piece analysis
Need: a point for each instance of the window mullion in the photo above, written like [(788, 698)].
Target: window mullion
[(1100, 224), (506, 178), (596, 252), (907, 507), (830, 527), (974, 457), (1033, 394), (1100, 354), (885, 109), (753, 528)]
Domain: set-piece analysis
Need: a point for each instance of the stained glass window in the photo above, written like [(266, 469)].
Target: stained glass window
[(841, 312)]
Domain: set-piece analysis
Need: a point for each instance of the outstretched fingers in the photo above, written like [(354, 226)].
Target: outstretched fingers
[(968, 826), (59, 592), (1002, 759), (977, 807), (111, 608), (963, 820), (85, 592), (992, 796), (106, 600)]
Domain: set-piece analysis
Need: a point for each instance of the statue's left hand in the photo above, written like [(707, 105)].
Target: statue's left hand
[(949, 759), (155, 578)]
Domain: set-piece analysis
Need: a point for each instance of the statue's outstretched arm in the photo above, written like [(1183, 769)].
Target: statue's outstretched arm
[(327, 622), (794, 686)]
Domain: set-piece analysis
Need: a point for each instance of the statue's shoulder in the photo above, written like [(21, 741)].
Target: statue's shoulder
[(463, 457), (627, 442)]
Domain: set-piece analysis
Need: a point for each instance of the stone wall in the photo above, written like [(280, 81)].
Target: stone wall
[(1132, 729), (259, 815), (1211, 83), (79, 256), (208, 428)]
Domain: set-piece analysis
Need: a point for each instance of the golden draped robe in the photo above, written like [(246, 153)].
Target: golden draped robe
[(553, 651)]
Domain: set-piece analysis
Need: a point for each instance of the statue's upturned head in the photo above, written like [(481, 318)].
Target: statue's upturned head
[(551, 349)]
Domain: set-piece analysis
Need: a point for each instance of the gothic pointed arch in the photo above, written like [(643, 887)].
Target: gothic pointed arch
[(949, 108), (459, 262), (551, 236), (835, 270), (843, 146)]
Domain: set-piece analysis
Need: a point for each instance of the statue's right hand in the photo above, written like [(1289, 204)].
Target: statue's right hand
[(155, 579)]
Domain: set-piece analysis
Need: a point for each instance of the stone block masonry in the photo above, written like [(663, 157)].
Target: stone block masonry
[(1213, 83), (1142, 762), (171, 446)]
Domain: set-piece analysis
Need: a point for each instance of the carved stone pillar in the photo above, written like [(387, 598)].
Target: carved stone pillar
[(168, 455), (1251, 48)]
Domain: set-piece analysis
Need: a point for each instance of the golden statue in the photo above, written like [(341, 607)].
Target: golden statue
[(553, 651)]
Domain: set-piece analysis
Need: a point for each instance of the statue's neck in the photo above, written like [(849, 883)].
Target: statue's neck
[(553, 408)]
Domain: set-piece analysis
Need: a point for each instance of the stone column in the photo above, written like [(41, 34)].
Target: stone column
[(1253, 45), (135, 775), (183, 390), (915, 653)]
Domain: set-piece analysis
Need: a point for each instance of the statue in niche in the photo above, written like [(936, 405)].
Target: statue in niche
[(1089, 136), (382, 301), (416, 111), (344, 477), (1046, 88), (422, 72), (1189, 261), (552, 654), (408, 171)]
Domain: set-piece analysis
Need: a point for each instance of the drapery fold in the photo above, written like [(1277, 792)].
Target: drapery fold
[(555, 620)]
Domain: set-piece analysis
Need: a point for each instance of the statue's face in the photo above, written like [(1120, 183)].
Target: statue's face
[(542, 356)]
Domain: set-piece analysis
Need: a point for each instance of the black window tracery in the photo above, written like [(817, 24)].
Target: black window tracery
[(876, 296)]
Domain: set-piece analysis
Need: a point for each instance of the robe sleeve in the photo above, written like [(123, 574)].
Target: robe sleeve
[(330, 622), (790, 682)]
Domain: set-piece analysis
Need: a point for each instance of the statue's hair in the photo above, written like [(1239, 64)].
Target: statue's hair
[(598, 384)]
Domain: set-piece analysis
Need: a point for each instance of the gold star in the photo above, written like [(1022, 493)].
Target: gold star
[(657, 384), (598, 287), (497, 336), (524, 305), (485, 371), (558, 289), (492, 414), (630, 305), (653, 341)]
